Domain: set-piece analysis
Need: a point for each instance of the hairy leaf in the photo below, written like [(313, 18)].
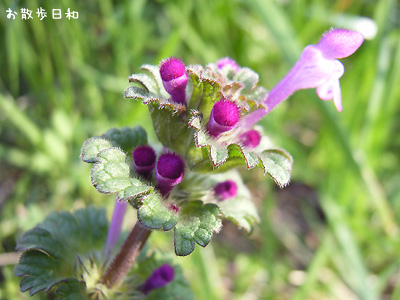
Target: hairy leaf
[(197, 223), (111, 174), (227, 152), (126, 138), (51, 250), (92, 147), (153, 213)]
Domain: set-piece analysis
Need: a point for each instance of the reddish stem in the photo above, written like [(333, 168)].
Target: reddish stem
[(126, 256)]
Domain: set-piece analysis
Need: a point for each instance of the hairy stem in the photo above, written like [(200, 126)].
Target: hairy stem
[(126, 256)]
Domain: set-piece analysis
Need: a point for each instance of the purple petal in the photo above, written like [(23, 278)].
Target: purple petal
[(310, 71), (159, 278), (224, 116), (339, 43), (225, 190), (331, 90), (116, 225)]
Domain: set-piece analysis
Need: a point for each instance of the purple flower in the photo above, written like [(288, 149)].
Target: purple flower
[(174, 78), (226, 61), (251, 138), (224, 116), (170, 171), (144, 160), (319, 68), (225, 190), (159, 278), (114, 230)]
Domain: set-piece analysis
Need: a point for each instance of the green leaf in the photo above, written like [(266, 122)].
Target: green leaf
[(111, 174), (92, 147), (248, 78), (197, 223), (205, 90), (71, 289), (226, 152), (126, 138), (154, 213), (171, 126), (52, 249)]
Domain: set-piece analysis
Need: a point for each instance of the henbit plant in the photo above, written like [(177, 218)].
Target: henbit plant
[(203, 118)]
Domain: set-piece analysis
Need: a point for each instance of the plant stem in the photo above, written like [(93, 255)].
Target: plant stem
[(126, 256)]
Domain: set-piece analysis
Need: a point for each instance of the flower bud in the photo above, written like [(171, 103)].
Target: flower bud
[(251, 138), (225, 190), (174, 78), (159, 278), (226, 61), (144, 160), (224, 116), (170, 171)]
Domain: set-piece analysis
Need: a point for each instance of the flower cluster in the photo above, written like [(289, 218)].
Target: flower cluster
[(205, 120)]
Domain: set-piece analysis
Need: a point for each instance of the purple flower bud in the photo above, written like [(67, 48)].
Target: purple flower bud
[(225, 190), (251, 138), (224, 116), (226, 61), (174, 78), (170, 171), (144, 160), (159, 278)]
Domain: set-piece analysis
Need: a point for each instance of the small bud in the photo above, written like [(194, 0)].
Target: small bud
[(144, 160), (251, 138), (226, 61), (174, 78), (225, 190), (159, 278), (170, 171), (224, 116)]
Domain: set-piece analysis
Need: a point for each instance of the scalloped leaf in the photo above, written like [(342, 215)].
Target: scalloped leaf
[(197, 223), (51, 250), (225, 153), (247, 77), (126, 138), (71, 289), (169, 118), (205, 91), (111, 174), (171, 126), (154, 214), (278, 164), (91, 147)]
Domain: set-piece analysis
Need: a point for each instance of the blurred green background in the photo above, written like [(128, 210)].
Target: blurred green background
[(332, 234)]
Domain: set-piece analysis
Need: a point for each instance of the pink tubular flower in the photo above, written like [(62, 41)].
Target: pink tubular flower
[(225, 190), (174, 78), (251, 138), (319, 68), (159, 278), (144, 160), (224, 116), (169, 172)]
